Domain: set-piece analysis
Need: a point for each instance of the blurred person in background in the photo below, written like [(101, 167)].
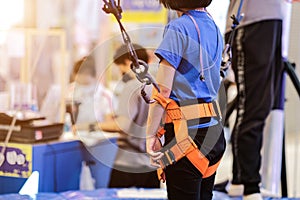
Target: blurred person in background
[(93, 100), (132, 164)]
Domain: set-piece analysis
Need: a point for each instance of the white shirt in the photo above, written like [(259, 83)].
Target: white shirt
[(95, 101)]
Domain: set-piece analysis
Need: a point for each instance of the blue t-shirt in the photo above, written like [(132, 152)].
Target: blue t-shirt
[(181, 48)]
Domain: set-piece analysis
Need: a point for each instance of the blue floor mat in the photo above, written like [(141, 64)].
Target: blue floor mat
[(104, 194)]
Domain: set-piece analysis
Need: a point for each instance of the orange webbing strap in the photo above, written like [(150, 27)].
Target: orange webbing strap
[(196, 111), (161, 131), (211, 169), (201, 163), (177, 151), (185, 146), (199, 111), (174, 113)]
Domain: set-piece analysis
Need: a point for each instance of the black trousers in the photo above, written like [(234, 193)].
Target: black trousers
[(184, 181), (124, 179), (258, 67)]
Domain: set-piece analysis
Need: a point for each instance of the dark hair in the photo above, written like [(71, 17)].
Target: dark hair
[(181, 4), (122, 54), (86, 64)]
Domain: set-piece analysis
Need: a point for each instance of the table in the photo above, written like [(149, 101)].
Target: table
[(59, 163)]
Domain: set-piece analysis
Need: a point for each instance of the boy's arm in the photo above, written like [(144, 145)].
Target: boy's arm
[(165, 76)]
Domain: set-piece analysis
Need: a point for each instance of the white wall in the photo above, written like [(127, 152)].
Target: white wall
[(293, 103)]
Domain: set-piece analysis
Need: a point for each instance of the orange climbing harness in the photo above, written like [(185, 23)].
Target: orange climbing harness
[(185, 145)]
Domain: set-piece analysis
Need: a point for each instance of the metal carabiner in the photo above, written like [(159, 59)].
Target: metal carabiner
[(226, 60), (141, 72), (145, 96)]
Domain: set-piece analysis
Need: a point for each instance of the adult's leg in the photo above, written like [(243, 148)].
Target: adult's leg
[(254, 51)]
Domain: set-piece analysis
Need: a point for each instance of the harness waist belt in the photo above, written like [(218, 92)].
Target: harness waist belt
[(190, 112)]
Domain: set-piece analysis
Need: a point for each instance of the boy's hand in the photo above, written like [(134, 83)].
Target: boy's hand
[(153, 145)]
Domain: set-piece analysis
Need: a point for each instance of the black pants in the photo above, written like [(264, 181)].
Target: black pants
[(258, 68), (124, 179), (184, 181)]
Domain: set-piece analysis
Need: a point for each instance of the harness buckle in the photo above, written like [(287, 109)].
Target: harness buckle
[(185, 145), (170, 156), (175, 113), (167, 159)]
